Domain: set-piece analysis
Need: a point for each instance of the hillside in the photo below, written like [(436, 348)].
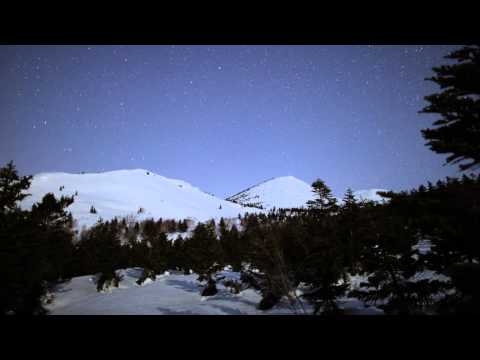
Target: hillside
[(123, 192)]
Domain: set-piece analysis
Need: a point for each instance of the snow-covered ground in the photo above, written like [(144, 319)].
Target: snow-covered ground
[(122, 193), (170, 294)]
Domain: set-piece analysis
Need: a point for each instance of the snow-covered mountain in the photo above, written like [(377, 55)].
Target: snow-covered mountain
[(123, 192), (287, 192), (279, 192)]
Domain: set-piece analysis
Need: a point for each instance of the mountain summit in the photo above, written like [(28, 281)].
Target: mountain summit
[(279, 192)]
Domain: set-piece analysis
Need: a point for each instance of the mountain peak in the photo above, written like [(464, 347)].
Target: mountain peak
[(279, 192)]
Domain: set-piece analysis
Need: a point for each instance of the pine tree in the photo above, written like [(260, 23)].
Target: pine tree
[(157, 248), (181, 258), (390, 260), (349, 200), (231, 246), (204, 252), (350, 227), (183, 226), (101, 252), (457, 131), (236, 247), (12, 187), (54, 230), (323, 267), (325, 202), (34, 245)]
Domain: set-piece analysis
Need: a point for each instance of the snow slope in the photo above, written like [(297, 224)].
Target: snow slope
[(280, 192), (370, 194), (170, 294), (123, 192), (287, 192)]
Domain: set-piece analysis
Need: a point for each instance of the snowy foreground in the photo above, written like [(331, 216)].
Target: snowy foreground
[(170, 294)]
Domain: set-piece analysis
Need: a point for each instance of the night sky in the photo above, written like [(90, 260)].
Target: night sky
[(223, 117)]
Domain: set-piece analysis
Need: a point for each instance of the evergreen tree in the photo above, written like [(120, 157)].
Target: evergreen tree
[(390, 261), (160, 251), (12, 188), (204, 252), (181, 257), (350, 228), (323, 267), (232, 249), (183, 226), (325, 202), (448, 216), (457, 131), (34, 245), (54, 230), (349, 200), (236, 249), (101, 253)]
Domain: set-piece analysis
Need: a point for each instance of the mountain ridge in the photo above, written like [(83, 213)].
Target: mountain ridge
[(137, 193), (141, 193)]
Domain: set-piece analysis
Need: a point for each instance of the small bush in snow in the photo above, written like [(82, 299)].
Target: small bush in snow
[(210, 289), (107, 280), (269, 300), (234, 286), (146, 274)]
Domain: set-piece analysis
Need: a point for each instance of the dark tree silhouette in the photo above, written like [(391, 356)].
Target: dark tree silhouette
[(457, 132), (324, 201), (11, 187), (35, 246), (204, 252)]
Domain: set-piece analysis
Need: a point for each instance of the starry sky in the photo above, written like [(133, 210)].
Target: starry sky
[(223, 117)]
